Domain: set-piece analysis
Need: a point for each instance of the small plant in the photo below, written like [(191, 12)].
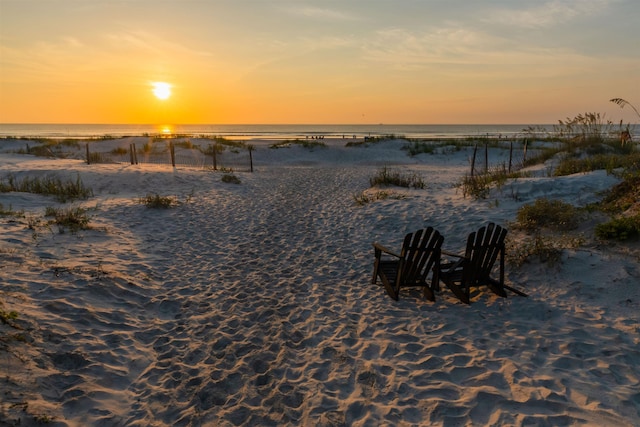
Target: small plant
[(364, 198), (622, 228), (553, 214), (43, 419), (545, 249), (156, 201), (72, 218), (230, 179), (10, 211), (7, 317), (386, 176)]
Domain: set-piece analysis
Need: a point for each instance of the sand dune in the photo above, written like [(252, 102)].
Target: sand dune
[(251, 304)]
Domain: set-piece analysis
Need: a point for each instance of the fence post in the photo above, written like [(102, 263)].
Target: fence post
[(510, 155), (215, 159), (524, 154), (131, 153), (473, 159), (88, 158), (251, 157), (486, 157), (173, 154)]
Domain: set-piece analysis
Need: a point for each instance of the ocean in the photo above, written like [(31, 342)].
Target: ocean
[(277, 132)]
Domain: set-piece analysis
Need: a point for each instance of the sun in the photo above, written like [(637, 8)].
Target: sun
[(161, 90)]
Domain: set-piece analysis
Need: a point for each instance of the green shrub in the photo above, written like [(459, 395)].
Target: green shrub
[(622, 228), (7, 317), (553, 214), (230, 179), (544, 248), (607, 162), (386, 176), (74, 219), (156, 201), (623, 195)]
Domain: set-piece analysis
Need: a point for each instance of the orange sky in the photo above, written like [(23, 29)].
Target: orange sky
[(346, 61)]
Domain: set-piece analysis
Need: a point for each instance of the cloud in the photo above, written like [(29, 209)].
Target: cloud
[(446, 44), (465, 52), (548, 14), (146, 42), (321, 13)]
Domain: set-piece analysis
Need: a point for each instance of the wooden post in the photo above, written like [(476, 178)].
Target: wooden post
[(524, 155), (172, 150), (251, 157), (510, 155), (473, 159), (215, 159), (88, 158), (131, 153), (486, 157)]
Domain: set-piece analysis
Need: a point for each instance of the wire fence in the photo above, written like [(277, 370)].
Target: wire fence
[(177, 154)]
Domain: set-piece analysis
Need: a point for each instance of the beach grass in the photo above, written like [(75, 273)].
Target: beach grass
[(306, 143), (73, 218), (63, 190), (389, 177)]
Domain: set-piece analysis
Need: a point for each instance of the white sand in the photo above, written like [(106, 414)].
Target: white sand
[(251, 304)]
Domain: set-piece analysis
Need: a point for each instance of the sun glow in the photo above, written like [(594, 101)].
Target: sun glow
[(161, 90)]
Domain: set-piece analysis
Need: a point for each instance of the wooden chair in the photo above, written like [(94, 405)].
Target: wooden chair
[(475, 267), (419, 255)]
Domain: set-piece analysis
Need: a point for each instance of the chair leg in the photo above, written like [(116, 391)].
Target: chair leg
[(390, 290), (429, 294), (376, 263)]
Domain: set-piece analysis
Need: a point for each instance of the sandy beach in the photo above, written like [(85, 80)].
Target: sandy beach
[(251, 304)]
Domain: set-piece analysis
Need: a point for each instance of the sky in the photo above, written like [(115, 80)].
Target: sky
[(317, 61)]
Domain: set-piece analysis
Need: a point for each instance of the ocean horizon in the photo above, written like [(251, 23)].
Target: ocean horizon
[(268, 131)]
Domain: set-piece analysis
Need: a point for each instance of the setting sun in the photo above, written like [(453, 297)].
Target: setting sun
[(161, 90)]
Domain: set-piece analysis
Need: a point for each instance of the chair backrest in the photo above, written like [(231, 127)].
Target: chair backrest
[(420, 250), (483, 248)]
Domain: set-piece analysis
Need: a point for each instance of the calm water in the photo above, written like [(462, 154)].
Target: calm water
[(263, 131)]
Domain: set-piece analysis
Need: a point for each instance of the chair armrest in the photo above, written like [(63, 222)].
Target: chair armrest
[(447, 253), (384, 249)]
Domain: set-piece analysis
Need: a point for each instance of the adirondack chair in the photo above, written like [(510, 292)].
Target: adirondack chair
[(474, 268), (419, 255)]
